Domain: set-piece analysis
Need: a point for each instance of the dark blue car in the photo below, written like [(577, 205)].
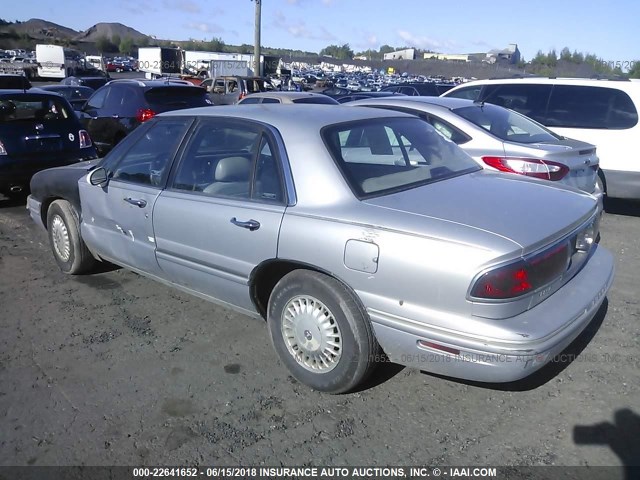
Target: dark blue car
[(38, 130)]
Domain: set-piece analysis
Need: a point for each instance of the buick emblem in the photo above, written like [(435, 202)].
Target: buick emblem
[(71, 137)]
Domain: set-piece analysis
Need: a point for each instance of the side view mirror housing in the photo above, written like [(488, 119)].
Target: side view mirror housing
[(99, 177)]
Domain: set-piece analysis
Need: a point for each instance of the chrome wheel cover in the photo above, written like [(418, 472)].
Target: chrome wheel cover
[(60, 238), (311, 334)]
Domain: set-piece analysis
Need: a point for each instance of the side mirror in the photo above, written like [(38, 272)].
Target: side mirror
[(99, 177)]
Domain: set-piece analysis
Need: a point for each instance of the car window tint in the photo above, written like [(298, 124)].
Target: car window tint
[(576, 106), (506, 124), (38, 108), (270, 100), (249, 100), (527, 99), (378, 156), (98, 98), (268, 186), (147, 161), (448, 131), (467, 93), (218, 160)]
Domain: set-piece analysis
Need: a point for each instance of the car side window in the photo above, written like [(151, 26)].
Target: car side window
[(527, 99), (576, 106), (448, 131), (467, 93), (270, 100), (221, 158), (147, 162), (97, 99), (250, 100)]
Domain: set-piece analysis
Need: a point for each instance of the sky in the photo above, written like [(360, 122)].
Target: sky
[(610, 30)]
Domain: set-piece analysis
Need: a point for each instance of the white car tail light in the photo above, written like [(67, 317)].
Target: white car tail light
[(530, 167)]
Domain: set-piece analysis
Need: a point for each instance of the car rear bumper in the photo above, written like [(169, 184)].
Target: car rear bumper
[(16, 172), (497, 360)]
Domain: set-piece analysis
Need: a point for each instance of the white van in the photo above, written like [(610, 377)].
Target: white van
[(55, 61), (601, 112)]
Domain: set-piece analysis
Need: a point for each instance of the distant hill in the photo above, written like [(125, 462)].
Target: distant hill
[(109, 30), (40, 29)]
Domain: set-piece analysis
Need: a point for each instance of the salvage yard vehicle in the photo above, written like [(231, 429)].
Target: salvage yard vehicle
[(602, 112), (503, 140), (116, 109), (350, 230), (38, 130)]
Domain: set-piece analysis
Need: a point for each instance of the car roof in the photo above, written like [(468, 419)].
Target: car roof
[(143, 82), (310, 115), (445, 102), (591, 82), (290, 95), (31, 91)]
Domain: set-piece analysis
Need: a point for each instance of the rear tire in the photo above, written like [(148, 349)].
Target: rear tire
[(69, 250), (321, 332)]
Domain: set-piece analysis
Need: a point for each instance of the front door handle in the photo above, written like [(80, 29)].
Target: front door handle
[(249, 224), (137, 202)]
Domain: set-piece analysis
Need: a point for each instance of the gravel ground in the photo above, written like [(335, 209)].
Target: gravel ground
[(115, 369)]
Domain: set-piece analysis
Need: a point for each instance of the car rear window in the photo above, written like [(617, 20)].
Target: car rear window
[(506, 124), (316, 100), (386, 155), (255, 85), (34, 108), (176, 97)]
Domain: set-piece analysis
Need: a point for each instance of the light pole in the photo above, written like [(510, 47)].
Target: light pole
[(256, 40)]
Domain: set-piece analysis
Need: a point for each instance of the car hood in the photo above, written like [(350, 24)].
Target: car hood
[(528, 212)]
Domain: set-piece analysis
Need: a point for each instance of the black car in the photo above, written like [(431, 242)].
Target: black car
[(38, 130), (11, 81), (77, 96), (94, 82), (114, 110), (422, 89)]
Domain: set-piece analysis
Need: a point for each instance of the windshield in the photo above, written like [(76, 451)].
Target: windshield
[(385, 155), (506, 124), (33, 107)]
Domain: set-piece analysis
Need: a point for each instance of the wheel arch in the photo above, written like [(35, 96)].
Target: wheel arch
[(46, 203), (265, 276)]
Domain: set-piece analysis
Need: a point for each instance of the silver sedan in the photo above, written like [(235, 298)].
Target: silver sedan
[(352, 231), (500, 139)]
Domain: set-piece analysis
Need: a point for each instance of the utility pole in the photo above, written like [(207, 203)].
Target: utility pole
[(256, 40)]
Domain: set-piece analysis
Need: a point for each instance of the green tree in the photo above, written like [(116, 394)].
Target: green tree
[(104, 45), (216, 45), (343, 52), (126, 45), (386, 49), (115, 40), (635, 70), (143, 41), (565, 55)]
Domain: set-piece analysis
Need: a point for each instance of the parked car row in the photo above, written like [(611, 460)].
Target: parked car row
[(601, 112)]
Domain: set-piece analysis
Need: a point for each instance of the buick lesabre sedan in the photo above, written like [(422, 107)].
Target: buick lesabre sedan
[(350, 230)]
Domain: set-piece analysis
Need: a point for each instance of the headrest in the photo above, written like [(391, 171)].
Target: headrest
[(233, 169)]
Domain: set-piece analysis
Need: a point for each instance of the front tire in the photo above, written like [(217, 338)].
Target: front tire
[(321, 332), (69, 250)]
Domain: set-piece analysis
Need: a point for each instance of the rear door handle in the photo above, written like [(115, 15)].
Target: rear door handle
[(249, 224), (137, 202)]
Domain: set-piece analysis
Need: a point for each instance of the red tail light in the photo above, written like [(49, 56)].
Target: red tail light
[(145, 114), (530, 167), (85, 139), (242, 95), (522, 276)]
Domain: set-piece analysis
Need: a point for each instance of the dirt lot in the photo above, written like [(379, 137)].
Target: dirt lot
[(114, 369)]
